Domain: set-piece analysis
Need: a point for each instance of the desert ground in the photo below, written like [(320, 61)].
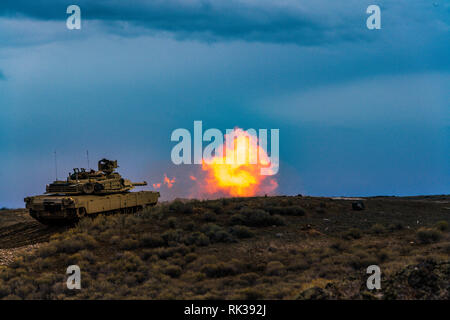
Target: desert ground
[(283, 247)]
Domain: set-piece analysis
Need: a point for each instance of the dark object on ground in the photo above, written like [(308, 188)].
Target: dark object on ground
[(358, 206)]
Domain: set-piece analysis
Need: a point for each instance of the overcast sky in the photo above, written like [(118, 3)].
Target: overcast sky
[(360, 112)]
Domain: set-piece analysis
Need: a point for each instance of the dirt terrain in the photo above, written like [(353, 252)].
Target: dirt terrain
[(253, 248), (18, 229)]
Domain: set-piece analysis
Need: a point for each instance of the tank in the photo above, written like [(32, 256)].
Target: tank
[(89, 192)]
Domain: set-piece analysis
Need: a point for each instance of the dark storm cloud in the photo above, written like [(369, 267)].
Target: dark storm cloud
[(303, 22)]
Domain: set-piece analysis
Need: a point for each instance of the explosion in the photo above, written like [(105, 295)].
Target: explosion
[(168, 181), (236, 165), (237, 172)]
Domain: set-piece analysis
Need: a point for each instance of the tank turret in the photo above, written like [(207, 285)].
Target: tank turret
[(103, 181)]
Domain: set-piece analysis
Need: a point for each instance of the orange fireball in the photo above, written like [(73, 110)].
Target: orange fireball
[(157, 185), (238, 171), (168, 181)]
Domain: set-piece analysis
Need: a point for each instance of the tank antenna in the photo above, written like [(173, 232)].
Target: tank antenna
[(56, 167), (87, 156)]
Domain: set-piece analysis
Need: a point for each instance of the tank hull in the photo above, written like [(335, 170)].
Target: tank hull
[(61, 209)]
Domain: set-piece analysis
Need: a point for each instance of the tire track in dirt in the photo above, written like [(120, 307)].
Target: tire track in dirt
[(26, 233)]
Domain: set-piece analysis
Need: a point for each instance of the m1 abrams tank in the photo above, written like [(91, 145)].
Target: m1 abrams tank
[(86, 193)]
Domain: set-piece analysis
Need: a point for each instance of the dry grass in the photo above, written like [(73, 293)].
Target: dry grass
[(250, 248)]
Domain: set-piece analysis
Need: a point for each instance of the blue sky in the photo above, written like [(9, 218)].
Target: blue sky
[(360, 112)]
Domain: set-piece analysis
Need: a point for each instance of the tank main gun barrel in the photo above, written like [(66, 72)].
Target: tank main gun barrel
[(139, 184)]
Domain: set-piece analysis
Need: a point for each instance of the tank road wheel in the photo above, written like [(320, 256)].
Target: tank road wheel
[(81, 213), (88, 188)]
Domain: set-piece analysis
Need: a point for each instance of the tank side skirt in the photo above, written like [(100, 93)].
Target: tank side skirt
[(113, 203), (116, 202)]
